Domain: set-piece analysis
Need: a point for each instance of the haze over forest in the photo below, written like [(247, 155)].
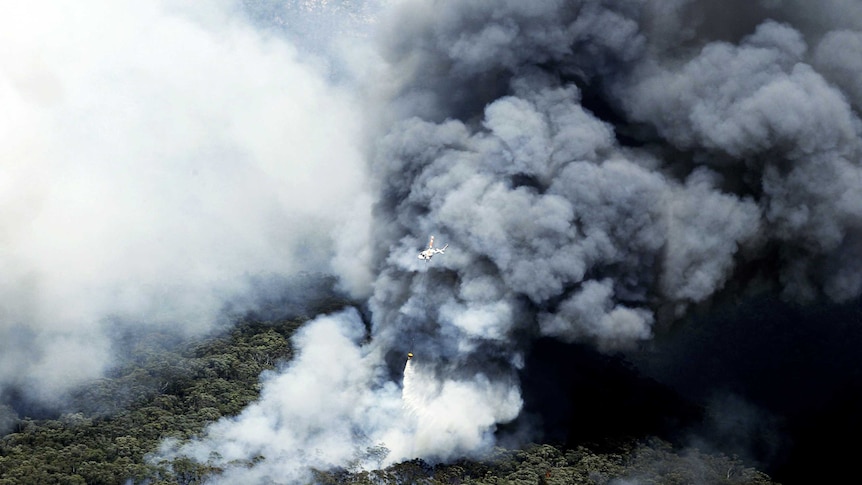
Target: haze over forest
[(653, 212)]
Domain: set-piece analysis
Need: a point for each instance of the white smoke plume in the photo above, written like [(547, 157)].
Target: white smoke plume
[(335, 406), (155, 159)]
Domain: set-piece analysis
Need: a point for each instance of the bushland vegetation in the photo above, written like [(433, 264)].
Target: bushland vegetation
[(173, 391)]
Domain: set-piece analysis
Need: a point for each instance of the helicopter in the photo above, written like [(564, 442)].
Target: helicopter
[(431, 251)]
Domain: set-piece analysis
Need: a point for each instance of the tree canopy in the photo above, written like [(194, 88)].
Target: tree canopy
[(174, 391)]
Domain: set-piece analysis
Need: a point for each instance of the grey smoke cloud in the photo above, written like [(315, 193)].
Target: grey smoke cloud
[(786, 127), (833, 58)]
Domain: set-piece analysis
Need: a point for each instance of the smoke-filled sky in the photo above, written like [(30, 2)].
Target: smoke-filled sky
[(155, 159), (599, 169)]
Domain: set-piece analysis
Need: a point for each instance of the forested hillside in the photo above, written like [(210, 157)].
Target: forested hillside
[(114, 425), (116, 421)]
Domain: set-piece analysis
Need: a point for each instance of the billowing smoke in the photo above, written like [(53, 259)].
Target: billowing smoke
[(158, 163), (596, 179), (334, 406), (324, 410), (598, 168)]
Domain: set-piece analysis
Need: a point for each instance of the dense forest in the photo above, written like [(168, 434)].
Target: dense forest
[(169, 389), (161, 393)]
